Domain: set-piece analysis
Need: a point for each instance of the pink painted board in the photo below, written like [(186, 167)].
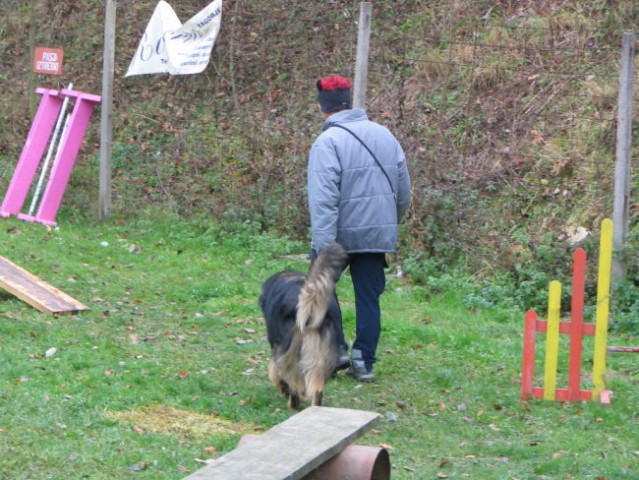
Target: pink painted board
[(32, 152), (70, 146)]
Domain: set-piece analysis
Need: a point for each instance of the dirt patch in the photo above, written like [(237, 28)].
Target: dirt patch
[(182, 423)]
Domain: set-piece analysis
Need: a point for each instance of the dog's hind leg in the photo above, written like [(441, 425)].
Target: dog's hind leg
[(292, 397), (316, 400), (315, 387), (293, 401), (281, 385), (284, 388)]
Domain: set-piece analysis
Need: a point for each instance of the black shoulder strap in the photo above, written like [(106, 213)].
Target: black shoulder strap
[(372, 155)]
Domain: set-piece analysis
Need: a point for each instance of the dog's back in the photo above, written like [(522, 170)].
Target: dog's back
[(278, 301), (302, 316)]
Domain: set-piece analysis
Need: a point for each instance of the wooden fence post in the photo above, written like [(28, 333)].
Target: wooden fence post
[(620, 217), (361, 63), (106, 129)]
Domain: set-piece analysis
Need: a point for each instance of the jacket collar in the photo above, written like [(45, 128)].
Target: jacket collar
[(345, 116)]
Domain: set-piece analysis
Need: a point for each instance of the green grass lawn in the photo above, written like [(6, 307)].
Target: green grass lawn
[(168, 368)]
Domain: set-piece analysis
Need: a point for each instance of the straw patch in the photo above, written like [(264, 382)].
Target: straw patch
[(166, 420)]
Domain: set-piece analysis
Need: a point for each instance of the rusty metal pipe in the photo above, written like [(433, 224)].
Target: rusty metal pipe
[(355, 462)]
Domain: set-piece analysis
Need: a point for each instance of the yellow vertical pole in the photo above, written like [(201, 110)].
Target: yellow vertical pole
[(552, 340), (603, 308)]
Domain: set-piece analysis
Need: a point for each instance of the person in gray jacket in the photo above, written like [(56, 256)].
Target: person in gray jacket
[(358, 192)]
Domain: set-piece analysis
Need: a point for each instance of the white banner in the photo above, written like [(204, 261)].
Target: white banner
[(170, 47)]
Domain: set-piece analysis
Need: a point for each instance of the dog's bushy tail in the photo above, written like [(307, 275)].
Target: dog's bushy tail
[(318, 290)]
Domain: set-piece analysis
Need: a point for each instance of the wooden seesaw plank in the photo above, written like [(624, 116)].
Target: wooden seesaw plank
[(35, 291), (293, 448)]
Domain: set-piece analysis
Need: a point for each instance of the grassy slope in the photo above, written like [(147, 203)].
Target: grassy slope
[(506, 111), (174, 323)]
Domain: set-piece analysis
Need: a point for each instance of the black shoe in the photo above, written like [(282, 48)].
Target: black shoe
[(358, 371), (361, 375), (343, 360), (358, 368)]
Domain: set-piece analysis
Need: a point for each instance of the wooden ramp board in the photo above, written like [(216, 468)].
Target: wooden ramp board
[(293, 448), (34, 291)]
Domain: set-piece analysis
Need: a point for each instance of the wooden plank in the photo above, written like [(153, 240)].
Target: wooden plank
[(603, 307), (293, 448), (528, 354), (552, 340), (577, 320), (35, 291), (561, 394), (566, 328), (623, 349)]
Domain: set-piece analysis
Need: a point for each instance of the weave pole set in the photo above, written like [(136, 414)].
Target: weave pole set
[(576, 328)]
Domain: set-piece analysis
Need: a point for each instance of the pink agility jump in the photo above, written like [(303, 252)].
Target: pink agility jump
[(50, 109)]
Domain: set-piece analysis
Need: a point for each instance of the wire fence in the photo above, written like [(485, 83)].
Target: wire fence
[(495, 98)]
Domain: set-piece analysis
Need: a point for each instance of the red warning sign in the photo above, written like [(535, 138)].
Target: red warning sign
[(48, 60)]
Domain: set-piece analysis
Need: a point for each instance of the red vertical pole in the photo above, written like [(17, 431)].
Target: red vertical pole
[(528, 356), (576, 325)]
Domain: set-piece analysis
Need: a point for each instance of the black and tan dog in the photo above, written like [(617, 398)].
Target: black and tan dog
[(302, 322)]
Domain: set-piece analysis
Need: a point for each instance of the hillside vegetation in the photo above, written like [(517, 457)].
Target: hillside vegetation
[(506, 110)]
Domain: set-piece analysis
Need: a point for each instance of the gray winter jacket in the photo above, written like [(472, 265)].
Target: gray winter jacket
[(350, 199)]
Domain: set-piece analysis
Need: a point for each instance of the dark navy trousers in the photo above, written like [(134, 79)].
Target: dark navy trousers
[(369, 281)]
